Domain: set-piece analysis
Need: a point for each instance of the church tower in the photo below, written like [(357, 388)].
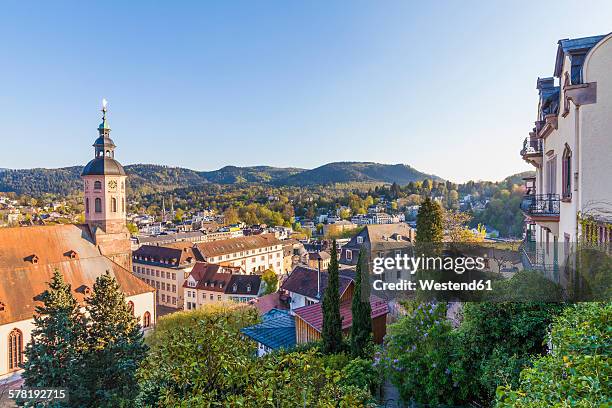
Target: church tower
[(104, 192)]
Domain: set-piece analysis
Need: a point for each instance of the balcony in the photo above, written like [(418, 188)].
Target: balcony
[(532, 151), (543, 209)]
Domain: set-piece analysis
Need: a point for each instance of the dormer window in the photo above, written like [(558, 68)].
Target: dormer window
[(32, 258), (2, 307), (360, 240), (248, 288), (234, 288), (71, 254)]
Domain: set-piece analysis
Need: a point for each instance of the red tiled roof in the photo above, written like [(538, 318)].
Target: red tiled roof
[(67, 248), (268, 302), (303, 281), (313, 314), (232, 245), (176, 254)]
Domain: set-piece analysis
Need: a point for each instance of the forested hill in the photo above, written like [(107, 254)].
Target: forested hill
[(348, 172), (150, 177)]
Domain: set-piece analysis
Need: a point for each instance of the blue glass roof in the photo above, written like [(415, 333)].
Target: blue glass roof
[(276, 331)]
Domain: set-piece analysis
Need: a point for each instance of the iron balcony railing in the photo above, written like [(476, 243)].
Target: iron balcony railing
[(531, 146), (541, 204)]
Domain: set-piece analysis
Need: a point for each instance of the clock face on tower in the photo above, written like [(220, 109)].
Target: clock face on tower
[(112, 184)]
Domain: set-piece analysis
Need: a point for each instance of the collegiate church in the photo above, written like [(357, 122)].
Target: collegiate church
[(30, 255)]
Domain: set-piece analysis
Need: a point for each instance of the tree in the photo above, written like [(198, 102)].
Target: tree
[(58, 338), (271, 280), (231, 216), (577, 370), (430, 229), (115, 346), (361, 329), (331, 335)]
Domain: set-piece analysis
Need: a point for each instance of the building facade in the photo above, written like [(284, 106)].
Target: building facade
[(570, 197), (254, 254), (165, 268), (212, 283)]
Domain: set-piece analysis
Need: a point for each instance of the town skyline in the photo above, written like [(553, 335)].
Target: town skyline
[(207, 86)]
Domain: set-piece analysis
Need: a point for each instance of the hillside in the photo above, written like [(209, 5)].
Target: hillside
[(347, 172), (151, 177)]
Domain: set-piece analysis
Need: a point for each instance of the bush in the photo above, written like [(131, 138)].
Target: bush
[(417, 356), (577, 371), (494, 342), (361, 373)]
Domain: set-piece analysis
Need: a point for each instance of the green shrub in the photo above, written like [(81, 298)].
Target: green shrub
[(417, 356), (577, 371)]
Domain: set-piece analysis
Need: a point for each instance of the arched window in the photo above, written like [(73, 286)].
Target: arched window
[(98, 185), (123, 205), (113, 204), (567, 172), (131, 307), (146, 320), (15, 349), (87, 205), (98, 205)]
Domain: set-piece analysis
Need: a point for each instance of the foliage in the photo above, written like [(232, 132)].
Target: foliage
[(199, 358), (417, 356), (502, 212), (197, 354), (361, 373), (270, 278), (577, 371), (58, 338), (331, 334), (495, 340), (429, 223), (115, 347), (361, 328), (455, 225)]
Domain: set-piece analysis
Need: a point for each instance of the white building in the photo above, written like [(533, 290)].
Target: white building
[(570, 147), (254, 253)]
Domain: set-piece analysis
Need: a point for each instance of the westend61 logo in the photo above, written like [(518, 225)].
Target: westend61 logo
[(412, 264)]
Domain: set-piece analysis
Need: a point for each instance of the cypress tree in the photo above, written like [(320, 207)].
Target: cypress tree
[(361, 329), (331, 335), (115, 346), (430, 229), (58, 338)]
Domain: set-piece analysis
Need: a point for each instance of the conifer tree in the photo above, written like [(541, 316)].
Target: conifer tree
[(115, 346), (331, 335), (430, 229), (58, 338), (361, 329)]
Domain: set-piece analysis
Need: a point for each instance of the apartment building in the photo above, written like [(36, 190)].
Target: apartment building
[(165, 267), (570, 197), (254, 253), (210, 283)]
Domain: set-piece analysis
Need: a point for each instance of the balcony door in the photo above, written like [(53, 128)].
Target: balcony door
[(551, 176)]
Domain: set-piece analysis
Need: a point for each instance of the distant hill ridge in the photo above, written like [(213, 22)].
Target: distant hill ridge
[(67, 179)]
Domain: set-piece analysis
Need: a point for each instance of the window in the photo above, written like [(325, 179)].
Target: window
[(551, 173), (123, 205), (349, 254), (163, 297), (98, 205), (360, 240), (131, 307), (15, 349), (113, 204), (87, 205), (219, 298), (567, 173), (97, 185), (211, 296), (146, 320)]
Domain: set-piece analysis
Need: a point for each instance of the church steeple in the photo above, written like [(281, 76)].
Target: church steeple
[(104, 145)]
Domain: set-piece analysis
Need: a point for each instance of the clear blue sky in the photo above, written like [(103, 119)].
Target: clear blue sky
[(448, 88)]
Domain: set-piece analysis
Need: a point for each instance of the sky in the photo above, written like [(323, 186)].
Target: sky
[(446, 87)]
